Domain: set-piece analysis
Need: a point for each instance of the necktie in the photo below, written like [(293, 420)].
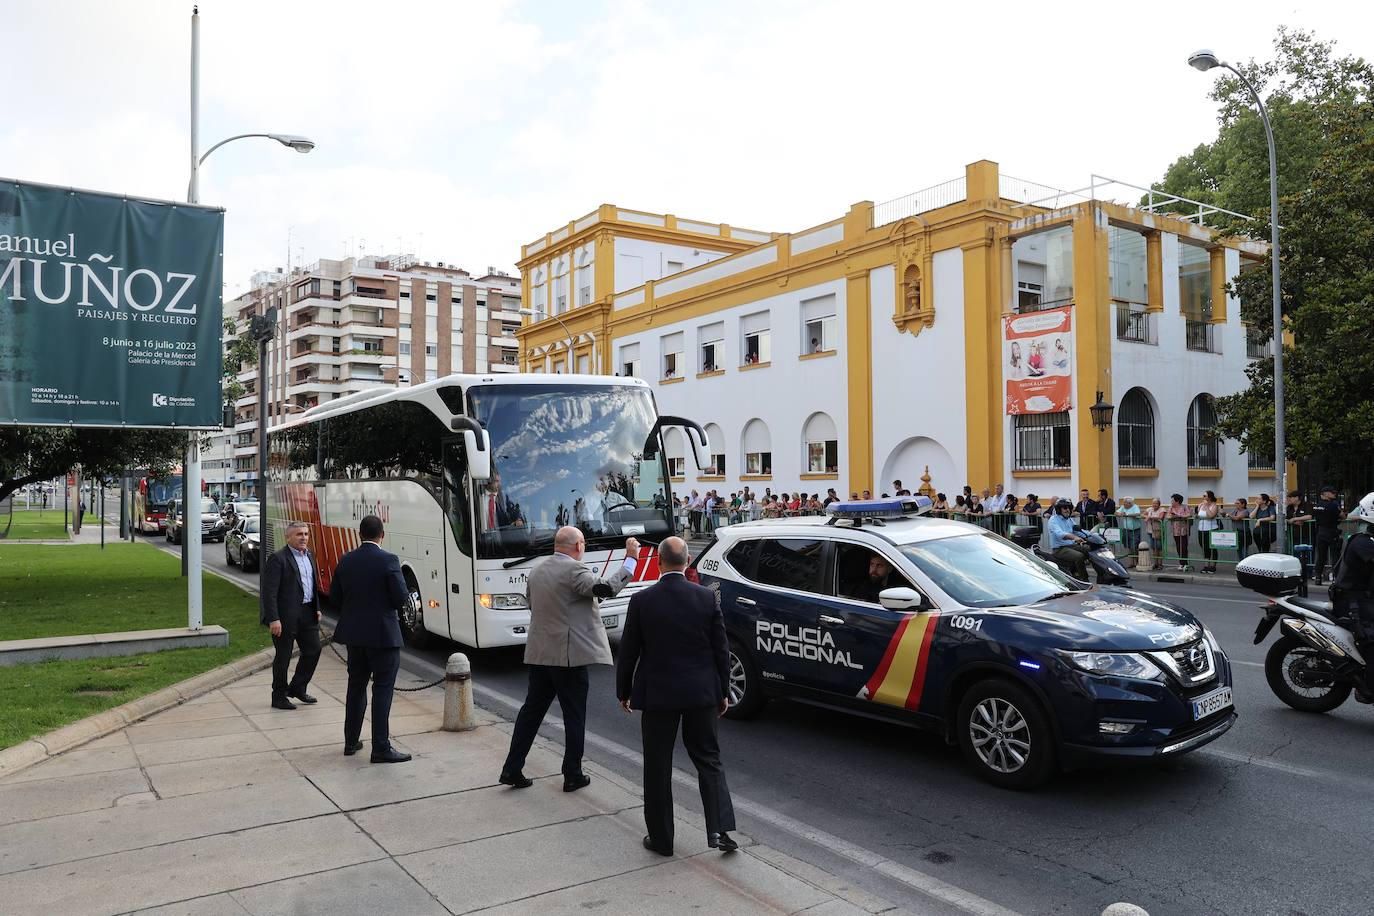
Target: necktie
[(491, 510)]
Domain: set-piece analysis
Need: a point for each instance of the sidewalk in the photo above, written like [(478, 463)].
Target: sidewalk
[(225, 806)]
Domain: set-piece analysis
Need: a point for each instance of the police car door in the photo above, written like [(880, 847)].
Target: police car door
[(876, 655), (782, 602)]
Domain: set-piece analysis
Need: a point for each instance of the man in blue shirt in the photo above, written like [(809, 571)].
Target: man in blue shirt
[(1065, 541)]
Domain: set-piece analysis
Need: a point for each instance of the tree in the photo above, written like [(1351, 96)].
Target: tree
[(32, 454), (1321, 107), (242, 351)]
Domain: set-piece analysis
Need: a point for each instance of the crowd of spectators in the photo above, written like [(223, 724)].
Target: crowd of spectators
[(1168, 531)]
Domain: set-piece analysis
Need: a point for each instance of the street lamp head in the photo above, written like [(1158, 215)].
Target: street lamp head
[(1203, 60), (295, 141)]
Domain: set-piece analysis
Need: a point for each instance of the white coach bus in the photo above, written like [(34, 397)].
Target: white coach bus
[(471, 476)]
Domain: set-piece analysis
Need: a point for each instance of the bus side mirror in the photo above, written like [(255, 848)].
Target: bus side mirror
[(700, 453), (476, 447)]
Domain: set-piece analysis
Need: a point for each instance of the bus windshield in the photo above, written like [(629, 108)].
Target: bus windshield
[(159, 491), (568, 455)]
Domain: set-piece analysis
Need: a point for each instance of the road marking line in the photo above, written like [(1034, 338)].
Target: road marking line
[(929, 885), (1171, 595), (1288, 768), (1236, 661)]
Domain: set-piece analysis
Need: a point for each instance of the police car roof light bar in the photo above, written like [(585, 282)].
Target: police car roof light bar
[(875, 510)]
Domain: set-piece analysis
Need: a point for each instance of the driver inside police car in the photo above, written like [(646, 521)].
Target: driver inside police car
[(873, 581)]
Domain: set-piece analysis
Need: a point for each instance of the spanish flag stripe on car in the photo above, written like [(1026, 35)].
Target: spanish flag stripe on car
[(900, 676)]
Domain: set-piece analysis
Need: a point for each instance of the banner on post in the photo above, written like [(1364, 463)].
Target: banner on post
[(111, 309), (1037, 362)]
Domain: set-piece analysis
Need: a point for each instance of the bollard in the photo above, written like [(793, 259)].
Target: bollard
[(458, 694)]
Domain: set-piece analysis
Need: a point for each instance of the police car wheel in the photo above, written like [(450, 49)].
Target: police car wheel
[(1005, 735), (746, 693)]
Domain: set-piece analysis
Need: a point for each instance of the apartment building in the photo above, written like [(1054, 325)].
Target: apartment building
[(347, 325)]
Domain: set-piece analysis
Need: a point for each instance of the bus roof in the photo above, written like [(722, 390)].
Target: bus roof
[(427, 392)]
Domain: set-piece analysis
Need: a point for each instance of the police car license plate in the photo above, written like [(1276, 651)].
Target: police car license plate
[(1213, 702), (610, 622)]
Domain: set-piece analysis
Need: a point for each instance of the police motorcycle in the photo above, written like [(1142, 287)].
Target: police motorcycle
[(1316, 663), (1097, 552)]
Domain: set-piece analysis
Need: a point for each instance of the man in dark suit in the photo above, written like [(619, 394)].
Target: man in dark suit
[(366, 591), (495, 510), (674, 666), (290, 608), (1087, 510)]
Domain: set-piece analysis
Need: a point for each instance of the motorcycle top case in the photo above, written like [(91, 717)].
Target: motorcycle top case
[(1272, 574)]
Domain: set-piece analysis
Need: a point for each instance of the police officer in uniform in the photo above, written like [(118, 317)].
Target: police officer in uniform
[(1327, 514), (1352, 592)]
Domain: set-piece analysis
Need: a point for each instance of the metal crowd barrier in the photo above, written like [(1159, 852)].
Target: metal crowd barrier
[(1232, 540)]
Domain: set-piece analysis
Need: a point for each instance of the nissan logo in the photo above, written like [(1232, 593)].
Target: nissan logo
[(1197, 657)]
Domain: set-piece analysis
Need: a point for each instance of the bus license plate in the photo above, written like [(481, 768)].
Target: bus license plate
[(610, 622), (1213, 702)]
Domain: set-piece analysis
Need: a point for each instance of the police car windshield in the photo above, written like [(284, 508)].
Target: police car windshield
[(983, 570)]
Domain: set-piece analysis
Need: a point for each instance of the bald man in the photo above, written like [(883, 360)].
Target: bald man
[(565, 638)]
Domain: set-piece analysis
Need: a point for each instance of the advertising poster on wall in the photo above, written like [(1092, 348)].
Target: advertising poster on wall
[(110, 309), (1037, 361)]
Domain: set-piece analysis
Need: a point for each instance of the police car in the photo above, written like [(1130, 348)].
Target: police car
[(881, 611)]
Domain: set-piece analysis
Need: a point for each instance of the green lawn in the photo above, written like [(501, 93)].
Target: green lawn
[(43, 696), (69, 590), (31, 524)]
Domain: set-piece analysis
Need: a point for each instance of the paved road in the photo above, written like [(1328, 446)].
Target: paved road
[(1272, 818)]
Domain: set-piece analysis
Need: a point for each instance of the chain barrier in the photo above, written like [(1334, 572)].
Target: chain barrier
[(397, 689)]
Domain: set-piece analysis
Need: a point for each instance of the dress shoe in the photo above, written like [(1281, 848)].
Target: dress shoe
[(649, 845), (302, 696), (515, 780), (390, 755), (282, 703), (352, 748), (722, 841), (573, 783)]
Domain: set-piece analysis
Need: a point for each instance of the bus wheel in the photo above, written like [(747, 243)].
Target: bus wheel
[(413, 615)]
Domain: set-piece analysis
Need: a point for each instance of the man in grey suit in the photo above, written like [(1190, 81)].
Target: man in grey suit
[(566, 637)]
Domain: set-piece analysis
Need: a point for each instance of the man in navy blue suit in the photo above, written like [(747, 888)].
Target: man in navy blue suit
[(674, 666), (366, 592)]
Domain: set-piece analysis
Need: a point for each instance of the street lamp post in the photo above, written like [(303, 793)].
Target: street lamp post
[(572, 338), (1205, 60), (191, 485)]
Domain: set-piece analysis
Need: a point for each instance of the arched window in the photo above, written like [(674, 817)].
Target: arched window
[(1204, 449), (676, 450), (715, 447), (820, 445), (757, 447), (1135, 431)]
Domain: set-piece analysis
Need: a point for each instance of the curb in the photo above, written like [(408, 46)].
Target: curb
[(36, 750), (1217, 580)]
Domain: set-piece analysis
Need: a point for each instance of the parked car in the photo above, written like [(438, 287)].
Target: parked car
[(243, 544), (212, 527)]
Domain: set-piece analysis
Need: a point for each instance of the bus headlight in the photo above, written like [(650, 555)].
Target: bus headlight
[(503, 602)]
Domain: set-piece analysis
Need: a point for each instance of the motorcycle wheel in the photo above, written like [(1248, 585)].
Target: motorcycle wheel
[(1302, 677)]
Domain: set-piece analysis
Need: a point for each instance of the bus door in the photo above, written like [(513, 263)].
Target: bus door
[(458, 567)]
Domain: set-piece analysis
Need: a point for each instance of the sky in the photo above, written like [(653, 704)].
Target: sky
[(459, 131)]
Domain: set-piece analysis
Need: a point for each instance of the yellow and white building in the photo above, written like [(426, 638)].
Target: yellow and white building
[(870, 348)]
